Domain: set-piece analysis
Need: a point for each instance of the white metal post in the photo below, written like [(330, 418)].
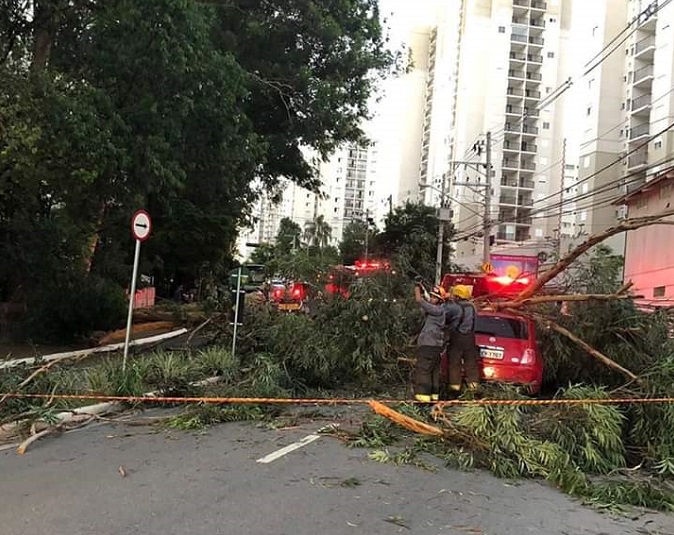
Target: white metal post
[(132, 298), (236, 310)]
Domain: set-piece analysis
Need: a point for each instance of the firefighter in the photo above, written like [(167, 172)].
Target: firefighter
[(430, 345), (460, 317)]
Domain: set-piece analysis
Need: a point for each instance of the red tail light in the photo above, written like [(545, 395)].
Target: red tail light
[(298, 292), (529, 357)]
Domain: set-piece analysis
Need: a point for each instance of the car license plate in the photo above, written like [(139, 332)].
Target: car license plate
[(492, 354), (289, 306)]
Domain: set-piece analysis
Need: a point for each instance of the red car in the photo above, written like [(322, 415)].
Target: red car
[(508, 350)]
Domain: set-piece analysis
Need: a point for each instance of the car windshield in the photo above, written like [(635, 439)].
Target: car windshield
[(501, 327)]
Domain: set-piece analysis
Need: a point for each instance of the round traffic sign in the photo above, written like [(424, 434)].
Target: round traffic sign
[(141, 225)]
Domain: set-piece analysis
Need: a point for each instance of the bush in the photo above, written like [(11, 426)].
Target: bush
[(71, 310)]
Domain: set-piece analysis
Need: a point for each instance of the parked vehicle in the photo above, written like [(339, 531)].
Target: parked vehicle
[(298, 297)]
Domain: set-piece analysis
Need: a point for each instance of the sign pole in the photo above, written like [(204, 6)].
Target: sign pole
[(132, 298), (236, 310), (141, 226)]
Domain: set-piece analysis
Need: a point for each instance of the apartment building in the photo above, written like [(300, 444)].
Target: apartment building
[(628, 99), (511, 62)]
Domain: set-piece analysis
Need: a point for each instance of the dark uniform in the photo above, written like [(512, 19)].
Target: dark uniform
[(460, 317), (430, 345)]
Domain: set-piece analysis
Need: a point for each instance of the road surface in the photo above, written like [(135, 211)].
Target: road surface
[(211, 483)]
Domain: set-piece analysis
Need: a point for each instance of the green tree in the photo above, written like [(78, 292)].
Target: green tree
[(318, 232), (288, 237), (352, 246), (173, 105), (410, 238)]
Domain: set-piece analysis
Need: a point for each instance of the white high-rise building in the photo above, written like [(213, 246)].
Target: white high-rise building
[(628, 98), (511, 61)]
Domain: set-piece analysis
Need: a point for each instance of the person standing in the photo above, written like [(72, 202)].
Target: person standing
[(429, 346), (462, 350)]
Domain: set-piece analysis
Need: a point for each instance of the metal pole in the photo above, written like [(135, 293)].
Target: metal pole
[(367, 232), (132, 298), (236, 310), (487, 204), (561, 201), (441, 235)]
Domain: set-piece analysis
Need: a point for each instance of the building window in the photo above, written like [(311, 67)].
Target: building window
[(546, 126), (553, 19), (666, 191), (641, 203), (659, 291), (657, 145), (589, 110), (551, 54), (501, 29)]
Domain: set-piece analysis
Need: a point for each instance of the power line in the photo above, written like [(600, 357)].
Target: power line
[(636, 176)]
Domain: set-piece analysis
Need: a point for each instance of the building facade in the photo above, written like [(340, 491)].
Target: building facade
[(511, 61), (649, 256), (629, 98)]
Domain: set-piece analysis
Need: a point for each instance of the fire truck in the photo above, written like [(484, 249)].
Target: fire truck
[(341, 279)]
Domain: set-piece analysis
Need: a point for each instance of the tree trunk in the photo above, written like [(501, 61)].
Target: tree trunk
[(45, 22)]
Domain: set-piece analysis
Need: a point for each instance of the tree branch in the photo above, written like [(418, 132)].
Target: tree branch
[(560, 299), (628, 224), (585, 346)]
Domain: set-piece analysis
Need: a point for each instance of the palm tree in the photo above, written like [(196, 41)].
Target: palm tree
[(323, 232), (318, 232)]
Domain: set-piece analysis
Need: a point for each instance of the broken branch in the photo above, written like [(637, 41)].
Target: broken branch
[(559, 299), (586, 347), (628, 224)]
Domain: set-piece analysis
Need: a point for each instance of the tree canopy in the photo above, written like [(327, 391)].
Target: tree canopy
[(173, 105)]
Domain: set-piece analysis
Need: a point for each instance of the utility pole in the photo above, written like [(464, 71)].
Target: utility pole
[(367, 231), (441, 232), (561, 202), (486, 256)]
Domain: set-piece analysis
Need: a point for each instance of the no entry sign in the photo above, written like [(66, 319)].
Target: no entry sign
[(141, 225)]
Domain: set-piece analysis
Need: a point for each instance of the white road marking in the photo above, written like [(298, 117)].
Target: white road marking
[(292, 447)]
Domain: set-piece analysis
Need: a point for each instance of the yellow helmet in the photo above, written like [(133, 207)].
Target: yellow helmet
[(461, 291)]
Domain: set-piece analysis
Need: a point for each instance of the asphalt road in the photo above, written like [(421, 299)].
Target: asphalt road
[(209, 483)]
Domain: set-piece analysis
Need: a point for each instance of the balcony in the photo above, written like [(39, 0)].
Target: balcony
[(525, 201), (642, 75), (530, 166), (644, 48), (538, 23), (508, 181), (539, 5), (531, 93), (518, 38), (516, 74), (515, 57), (535, 58), (536, 41), (527, 184), (520, 20), (534, 76), (509, 163), (521, 3), (641, 103), (514, 110), (512, 128), (639, 131), (531, 130), (638, 159), (529, 147), (515, 91), (508, 199), (510, 146)]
